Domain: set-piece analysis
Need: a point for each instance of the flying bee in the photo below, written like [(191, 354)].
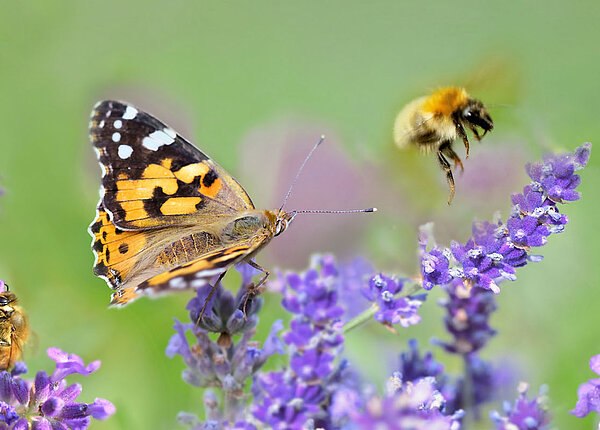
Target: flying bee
[(434, 122), (14, 329)]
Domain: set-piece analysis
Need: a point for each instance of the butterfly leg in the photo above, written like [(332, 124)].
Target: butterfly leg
[(212, 291), (253, 290)]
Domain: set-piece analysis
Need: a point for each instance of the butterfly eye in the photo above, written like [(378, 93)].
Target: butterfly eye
[(3, 301), (280, 226)]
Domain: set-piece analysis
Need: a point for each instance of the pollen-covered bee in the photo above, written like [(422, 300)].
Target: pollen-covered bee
[(434, 122), (14, 329)]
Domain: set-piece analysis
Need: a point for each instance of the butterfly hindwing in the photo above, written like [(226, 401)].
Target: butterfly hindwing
[(152, 177), (193, 274)]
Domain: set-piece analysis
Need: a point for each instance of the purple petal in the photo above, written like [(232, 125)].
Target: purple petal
[(52, 406), (41, 424), (101, 409), (582, 154)]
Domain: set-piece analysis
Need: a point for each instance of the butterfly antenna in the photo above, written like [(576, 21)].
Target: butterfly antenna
[(300, 171), (323, 211)]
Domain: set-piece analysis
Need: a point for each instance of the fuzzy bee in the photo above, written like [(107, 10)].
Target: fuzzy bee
[(14, 329), (434, 122)]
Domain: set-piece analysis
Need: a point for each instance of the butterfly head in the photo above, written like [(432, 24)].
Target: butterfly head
[(279, 221)]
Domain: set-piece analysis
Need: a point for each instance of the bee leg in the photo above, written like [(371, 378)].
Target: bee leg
[(449, 152), (463, 134), (252, 289), (212, 291), (446, 166), (476, 133)]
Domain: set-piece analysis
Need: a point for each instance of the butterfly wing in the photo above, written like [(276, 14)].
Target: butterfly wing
[(152, 177), (193, 274)]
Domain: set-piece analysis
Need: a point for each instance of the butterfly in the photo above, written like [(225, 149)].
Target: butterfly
[(169, 218)]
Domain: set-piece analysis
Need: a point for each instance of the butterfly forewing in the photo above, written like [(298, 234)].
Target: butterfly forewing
[(152, 177)]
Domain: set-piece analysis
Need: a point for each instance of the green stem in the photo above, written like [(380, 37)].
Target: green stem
[(367, 314)]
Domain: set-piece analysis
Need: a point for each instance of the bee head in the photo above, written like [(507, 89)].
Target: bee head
[(7, 298), (476, 114)]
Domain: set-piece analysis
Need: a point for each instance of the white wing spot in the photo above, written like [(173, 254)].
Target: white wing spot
[(118, 124), (101, 124), (125, 151), (197, 283), (170, 132), (130, 112), (208, 273), (178, 282), (159, 138), (116, 137)]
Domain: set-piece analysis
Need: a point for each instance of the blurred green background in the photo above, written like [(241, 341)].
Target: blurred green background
[(254, 84)]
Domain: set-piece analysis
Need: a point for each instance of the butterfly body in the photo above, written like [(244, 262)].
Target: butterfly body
[(169, 217)]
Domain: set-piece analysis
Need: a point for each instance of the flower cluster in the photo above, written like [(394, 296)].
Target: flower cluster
[(407, 404), (467, 318), (223, 363), (318, 389), (299, 394), (524, 413), (496, 249), (384, 291), (47, 402)]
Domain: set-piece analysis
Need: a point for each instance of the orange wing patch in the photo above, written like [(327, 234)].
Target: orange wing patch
[(180, 205), (144, 199), (210, 185), (114, 249), (123, 296)]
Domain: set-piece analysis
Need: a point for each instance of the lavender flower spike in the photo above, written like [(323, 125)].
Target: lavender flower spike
[(497, 249), (224, 363), (47, 402), (407, 405), (525, 413), (298, 396)]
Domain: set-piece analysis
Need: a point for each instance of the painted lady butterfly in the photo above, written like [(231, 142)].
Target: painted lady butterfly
[(169, 217)]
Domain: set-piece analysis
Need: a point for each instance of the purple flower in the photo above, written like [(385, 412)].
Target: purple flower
[(300, 394), (223, 363), (435, 266), (223, 313), (392, 309), (524, 413), (47, 401), (413, 366), (496, 249), (556, 175), (467, 318), (588, 393), (414, 405), (69, 363)]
